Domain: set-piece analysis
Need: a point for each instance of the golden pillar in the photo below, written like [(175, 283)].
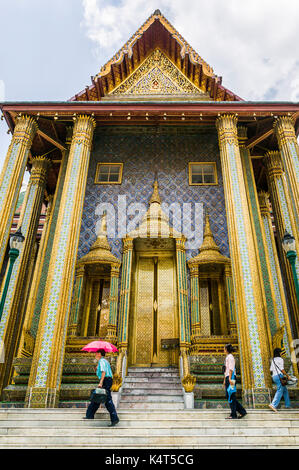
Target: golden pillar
[(284, 220), (289, 149), (185, 337), (47, 364), (27, 337), (124, 308), (232, 325), (269, 304), (125, 289), (13, 311), (113, 301), (12, 176), (253, 337), (282, 316), (195, 310), (77, 301)]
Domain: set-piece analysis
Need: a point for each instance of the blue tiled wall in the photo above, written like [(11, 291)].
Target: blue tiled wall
[(144, 153)]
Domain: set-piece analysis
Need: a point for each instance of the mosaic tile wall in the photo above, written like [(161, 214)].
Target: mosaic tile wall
[(145, 153)]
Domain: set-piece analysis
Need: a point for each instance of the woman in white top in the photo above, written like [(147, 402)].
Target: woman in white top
[(277, 370), (230, 380)]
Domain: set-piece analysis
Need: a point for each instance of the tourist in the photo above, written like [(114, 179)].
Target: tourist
[(229, 384), (104, 373), (278, 372)]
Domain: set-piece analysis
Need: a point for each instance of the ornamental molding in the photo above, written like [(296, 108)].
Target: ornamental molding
[(157, 75)]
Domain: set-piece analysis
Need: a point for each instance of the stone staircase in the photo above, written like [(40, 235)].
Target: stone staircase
[(147, 428), (152, 388)]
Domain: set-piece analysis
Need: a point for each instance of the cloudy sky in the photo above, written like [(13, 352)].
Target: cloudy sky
[(50, 48)]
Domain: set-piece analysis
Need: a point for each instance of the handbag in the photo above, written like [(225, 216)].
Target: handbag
[(284, 379), (98, 395), (292, 380)]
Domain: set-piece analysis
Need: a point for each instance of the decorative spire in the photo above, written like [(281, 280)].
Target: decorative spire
[(155, 196), (100, 251), (209, 252), (208, 243), (157, 12)]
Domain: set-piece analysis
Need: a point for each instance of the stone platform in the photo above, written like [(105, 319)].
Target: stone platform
[(148, 428)]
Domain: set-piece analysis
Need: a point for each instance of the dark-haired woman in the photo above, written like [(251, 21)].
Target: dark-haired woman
[(229, 384), (277, 370)]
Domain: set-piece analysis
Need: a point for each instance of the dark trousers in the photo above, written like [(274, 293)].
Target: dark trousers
[(235, 406), (92, 408)]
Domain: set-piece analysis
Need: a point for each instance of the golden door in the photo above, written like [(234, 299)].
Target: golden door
[(154, 314)]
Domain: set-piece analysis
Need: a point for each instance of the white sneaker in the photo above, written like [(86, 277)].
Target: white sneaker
[(273, 408)]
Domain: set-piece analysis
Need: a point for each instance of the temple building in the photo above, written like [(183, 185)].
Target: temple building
[(164, 199)]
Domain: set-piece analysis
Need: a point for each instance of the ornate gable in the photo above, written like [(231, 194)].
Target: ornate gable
[(157, 75), (156, 33)]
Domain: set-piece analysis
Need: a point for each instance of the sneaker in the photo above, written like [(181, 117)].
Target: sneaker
[(273, 408)]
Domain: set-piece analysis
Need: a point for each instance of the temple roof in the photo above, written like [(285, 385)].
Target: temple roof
[(156, 33)]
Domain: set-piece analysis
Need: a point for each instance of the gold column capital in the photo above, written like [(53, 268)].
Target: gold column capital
[(264, 203), (39, 170), (25, 130), (273, 162), (226, 125), (284, 128), (80, 270), (193, 268), (128, 244), (83, 130), (228, 270), (180, 243), (115, 267)]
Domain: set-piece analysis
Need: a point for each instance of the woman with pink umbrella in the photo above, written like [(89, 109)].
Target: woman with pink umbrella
[(104, 373)]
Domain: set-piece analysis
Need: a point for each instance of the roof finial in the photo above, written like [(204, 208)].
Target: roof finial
[(157, 12), (155, 196)]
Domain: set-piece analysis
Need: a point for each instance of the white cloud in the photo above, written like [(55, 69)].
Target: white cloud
[(252, 44), (2, 90)]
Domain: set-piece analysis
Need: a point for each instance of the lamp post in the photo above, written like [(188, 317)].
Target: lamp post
[(15, 242), (289, 246)]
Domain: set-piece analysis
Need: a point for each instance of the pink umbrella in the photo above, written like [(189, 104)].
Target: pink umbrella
[(94, 346)]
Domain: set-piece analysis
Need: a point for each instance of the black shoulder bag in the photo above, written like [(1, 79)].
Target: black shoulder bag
[(284, 379)]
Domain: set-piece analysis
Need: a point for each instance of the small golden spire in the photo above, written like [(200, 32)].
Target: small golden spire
[(208, 239), (155, 196)]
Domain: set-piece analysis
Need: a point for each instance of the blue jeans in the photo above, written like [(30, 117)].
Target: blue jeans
[(281, 391), (235, 406), (92, 408)]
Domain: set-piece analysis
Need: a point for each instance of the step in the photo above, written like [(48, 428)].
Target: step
[(154, 385), (162, 380), (152, 374), (122, 430), (58, 413), (147, 405), (149, 398), (152, 391), (132, 440), (154, 369), (131, 422)]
